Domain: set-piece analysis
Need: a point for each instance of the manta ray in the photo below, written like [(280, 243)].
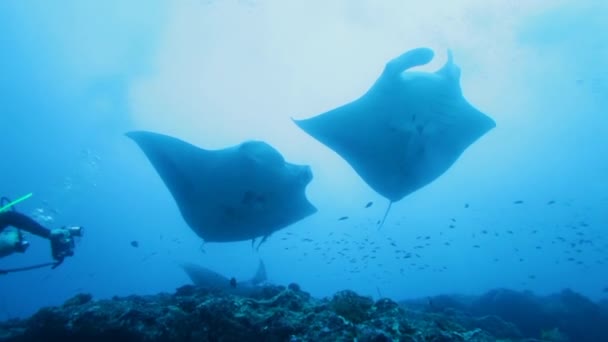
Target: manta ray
[(205, 278), (233, 194), (406, 130)]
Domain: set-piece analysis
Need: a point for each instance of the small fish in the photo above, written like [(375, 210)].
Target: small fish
[(343, 218), (466, 205), (518, 202), (134, 243), (551, 202), (369, 204)]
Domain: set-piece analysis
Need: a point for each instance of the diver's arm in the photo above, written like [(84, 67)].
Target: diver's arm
[(23, 222)]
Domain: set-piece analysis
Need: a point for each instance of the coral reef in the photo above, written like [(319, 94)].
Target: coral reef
[(274, 313), (277, 313), (563, 316)]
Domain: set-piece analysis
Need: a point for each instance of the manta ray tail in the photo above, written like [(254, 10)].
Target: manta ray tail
[(264, 238), (390, 204), (260, 275)]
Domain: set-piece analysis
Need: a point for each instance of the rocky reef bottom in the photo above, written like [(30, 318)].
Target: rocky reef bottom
[(276, 313)]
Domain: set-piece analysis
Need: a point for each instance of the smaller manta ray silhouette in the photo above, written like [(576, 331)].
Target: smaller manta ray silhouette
[(208, 279), (232, 194), (406, 130)]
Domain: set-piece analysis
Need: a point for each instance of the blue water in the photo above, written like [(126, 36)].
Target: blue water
[(75, 76)]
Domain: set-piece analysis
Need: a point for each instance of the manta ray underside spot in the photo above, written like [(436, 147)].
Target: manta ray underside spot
[(232, 194), (406, 130)]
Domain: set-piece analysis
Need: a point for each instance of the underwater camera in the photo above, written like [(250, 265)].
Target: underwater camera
[(62, 241)]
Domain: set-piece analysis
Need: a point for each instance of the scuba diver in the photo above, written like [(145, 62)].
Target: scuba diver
[(12, 240)]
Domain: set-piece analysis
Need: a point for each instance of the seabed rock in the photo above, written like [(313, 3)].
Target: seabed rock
[(274, 313)]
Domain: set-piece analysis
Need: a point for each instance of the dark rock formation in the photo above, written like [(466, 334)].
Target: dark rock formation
[(564, 316), (272, 314)]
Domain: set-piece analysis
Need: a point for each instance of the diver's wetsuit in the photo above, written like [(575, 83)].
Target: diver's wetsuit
[(23, 222)]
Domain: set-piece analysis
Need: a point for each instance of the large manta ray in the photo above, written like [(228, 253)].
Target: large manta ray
[(406, 130), (232, 194)]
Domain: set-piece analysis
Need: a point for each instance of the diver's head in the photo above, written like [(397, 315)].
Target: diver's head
[(12, 241)]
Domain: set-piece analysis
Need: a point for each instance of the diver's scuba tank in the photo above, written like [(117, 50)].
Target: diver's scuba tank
[(12, 241)]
